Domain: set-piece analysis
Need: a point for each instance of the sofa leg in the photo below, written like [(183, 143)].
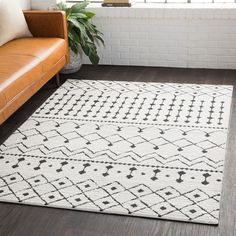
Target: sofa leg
[(58, 80)]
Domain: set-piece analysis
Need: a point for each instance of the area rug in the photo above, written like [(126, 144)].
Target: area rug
[(140, 149)]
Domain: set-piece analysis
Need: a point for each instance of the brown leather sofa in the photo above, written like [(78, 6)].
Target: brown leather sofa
[(27, 64)]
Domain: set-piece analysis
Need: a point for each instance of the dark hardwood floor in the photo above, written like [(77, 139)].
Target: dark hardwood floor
[(22, 220)]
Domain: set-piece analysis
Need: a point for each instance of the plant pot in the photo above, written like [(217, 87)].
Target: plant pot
[(74, 64)]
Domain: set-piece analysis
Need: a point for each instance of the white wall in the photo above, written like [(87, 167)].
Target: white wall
[(169, 37), (25, 4), (44, 4)]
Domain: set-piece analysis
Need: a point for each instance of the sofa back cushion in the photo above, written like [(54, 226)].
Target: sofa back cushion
[(12, 21)]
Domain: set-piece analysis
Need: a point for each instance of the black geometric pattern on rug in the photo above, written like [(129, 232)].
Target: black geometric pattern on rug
[(141, 149), (134, 200), (197, 105)]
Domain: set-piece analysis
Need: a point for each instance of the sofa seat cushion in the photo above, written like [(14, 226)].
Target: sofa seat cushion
[(48, 50), (17, 72)]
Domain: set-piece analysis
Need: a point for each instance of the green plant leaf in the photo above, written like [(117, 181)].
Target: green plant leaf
[(94, 58), (74, 22), (73, 35), (90, 14), (100, 39), (81, 32), (78, 15), (61, 6), (79, 6)]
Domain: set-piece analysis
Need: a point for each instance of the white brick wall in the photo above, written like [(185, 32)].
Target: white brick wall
[(169, 36), (180, 35)]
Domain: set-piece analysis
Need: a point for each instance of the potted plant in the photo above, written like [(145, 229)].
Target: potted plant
[(83, 35)]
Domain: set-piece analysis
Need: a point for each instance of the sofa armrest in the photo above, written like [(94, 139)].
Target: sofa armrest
[(47, 23)]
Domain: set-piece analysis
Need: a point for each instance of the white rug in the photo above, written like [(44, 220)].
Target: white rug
[(140, 149)]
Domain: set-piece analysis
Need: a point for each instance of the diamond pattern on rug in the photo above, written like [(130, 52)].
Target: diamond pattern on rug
[(132, 200), (141, 149)]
